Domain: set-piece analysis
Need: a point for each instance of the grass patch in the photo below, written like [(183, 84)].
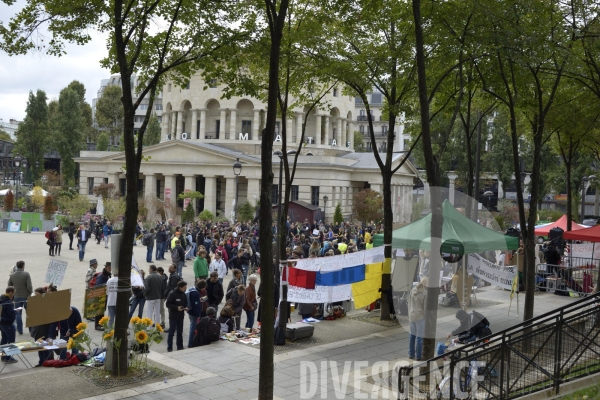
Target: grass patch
[(589, 393)]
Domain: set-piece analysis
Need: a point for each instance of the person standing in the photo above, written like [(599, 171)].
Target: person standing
[(107, 232), (218, 266), (83, 235), (173, 280), (58, 239), (178, 257), (148, 241), (195, 302), (71, 234), (102, 279), (138, 298), (239, 298), (214, 289), (163, 296), (111, 299), (177, 305), (21, 281), (200, 266), (7, 320), (153, 289), (161, 243), (51, 241), (250, 303), (416, 317)]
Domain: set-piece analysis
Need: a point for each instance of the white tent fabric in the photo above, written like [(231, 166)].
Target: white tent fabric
[(4, 192), (30, 193), (100, 206)]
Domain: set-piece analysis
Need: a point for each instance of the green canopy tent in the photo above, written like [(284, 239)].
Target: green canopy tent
[(457, 228)]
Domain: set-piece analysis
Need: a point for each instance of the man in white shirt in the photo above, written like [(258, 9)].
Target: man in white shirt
[(219, 266), (111, 299)]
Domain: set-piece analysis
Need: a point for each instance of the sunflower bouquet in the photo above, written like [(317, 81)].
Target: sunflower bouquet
[(81, 340), (145, 332)]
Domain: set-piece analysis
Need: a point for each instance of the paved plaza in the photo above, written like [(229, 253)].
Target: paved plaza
[(226, 370)]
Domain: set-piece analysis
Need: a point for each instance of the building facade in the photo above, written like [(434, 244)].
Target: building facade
[(10, 127), (203, 134)]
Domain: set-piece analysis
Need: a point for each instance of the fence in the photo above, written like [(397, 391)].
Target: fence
[(535, 355), (578, 280)]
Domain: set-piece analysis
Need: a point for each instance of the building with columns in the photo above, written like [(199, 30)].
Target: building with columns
[(203, 134)]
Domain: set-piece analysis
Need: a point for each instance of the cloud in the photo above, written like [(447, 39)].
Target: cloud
[(20, 74)]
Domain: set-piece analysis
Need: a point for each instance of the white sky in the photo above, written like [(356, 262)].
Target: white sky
[(20, 74)]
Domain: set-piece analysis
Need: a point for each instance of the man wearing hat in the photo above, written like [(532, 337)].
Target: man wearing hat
[(90, 274)]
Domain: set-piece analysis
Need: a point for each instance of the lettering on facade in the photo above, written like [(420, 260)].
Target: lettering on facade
[(333, 142), (310, 140), (243, 136), (277, 138)]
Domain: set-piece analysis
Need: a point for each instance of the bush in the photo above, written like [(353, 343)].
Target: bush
[(9, 201), (188, 214), (206, 215), (338, 218), (49, 208), (245, 212)]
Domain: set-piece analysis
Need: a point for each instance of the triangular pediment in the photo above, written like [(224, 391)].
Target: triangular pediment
[(176, 151)]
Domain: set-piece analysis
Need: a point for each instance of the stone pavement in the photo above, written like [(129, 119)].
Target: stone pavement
[(339, 364)]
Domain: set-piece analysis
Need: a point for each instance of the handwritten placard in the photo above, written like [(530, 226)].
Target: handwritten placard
[(56, 272), (309, 264), (320, 294)]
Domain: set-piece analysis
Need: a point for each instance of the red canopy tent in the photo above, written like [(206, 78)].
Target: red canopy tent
[(588, 235), (561, 223)]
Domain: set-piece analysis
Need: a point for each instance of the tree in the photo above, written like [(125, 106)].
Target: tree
[(37, 197), (5, 136), (51, 178), (109, 111), (49, 207), (106, 191), (188, 214), (68, 125), (9, 201), (114, 208), (206, 215), (33, 134), (358, 142), (86, 111), (152, 135), (366, 206), (338, 218), (245, 212), (192, 195), (102, 142), (75, 206)]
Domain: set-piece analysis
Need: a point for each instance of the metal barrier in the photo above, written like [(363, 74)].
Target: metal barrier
[(581, 262), (538, 354), (578, 281)]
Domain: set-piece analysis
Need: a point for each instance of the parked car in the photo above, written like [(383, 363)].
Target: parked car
[(590, 222)]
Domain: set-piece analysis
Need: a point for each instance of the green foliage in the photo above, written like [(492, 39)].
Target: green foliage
[(102, 142), (550, 215), (69, 128), (152, 135), (37, 197), (367, 206), (245, 212), (192, 194), (5, 136), (107, 191), (337, 215), (63, 220), (417, 211), (500, 221), (358, 142), (206, 215), (33, 135), (49, 208), (188, 214), (114, 208), (109, 111), (74, 206)]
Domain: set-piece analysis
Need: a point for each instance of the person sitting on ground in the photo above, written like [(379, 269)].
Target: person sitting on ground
[(226, 319), (207, 328), (472, 327)]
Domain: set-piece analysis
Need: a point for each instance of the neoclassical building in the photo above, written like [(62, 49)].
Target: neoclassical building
[(203, 134)]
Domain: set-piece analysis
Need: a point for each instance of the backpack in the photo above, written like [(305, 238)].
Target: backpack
[(175, 256), (224, 326), (47, 235), (94, 279), (147, 239), (212, 332)]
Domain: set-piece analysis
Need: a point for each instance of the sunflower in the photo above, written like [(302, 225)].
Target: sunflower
[(146, 321), (159, 328), (103, 320), (78, 334), (70, 344), (141, 337), (82, 326), (135, 320), (109, 335)]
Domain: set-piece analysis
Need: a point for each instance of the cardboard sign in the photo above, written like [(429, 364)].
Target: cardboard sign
[(56, 272), (94, 302), (48, 308), (495, 274)]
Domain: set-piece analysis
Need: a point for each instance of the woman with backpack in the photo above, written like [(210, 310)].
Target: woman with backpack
[(208, 329), (250, 303), (226, 319), (51, 242)]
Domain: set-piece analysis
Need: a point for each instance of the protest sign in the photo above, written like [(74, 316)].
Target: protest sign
[(320, 294), (56, 272), (586, 250), (490, 272), (94, 302), (48, 307)]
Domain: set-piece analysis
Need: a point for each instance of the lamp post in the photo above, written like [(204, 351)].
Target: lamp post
[(325, 198), (17, 177), (237, 170), (37, 168), (488, 194), (584, 185)]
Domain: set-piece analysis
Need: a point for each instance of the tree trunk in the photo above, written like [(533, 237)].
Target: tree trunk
[(569, 197), (388, 218)]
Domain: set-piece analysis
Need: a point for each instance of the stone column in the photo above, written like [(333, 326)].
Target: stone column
[(222, 124), (210, 194), (318, 129), (229, 196), (202, 124), (255, 124), (343, 198), (194, 128), (170, 185), (338, 133), (289, 130), (150, 184), (298, 127), (327, 142), (253, 194), (179, 124), (164, 126), (114, 179), (426, 194), (190, 185), (232, 124), (351, 128), (451, 191), (173, 124)]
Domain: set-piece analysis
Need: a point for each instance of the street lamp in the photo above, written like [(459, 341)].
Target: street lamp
[(325, 198), (488, 194), (584, 185), (237, 170)]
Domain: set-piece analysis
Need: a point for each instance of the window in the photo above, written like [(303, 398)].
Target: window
[(384, 129), (274, 194), (158, 107), (314, 195), (212, 83), (362, 129), (277, 125), (123, 186), (246, 126), (335, 92), (106, 181), (295, 192), (158, 189), (90, 185), (376, 98), (169, 88), (143, 107)]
